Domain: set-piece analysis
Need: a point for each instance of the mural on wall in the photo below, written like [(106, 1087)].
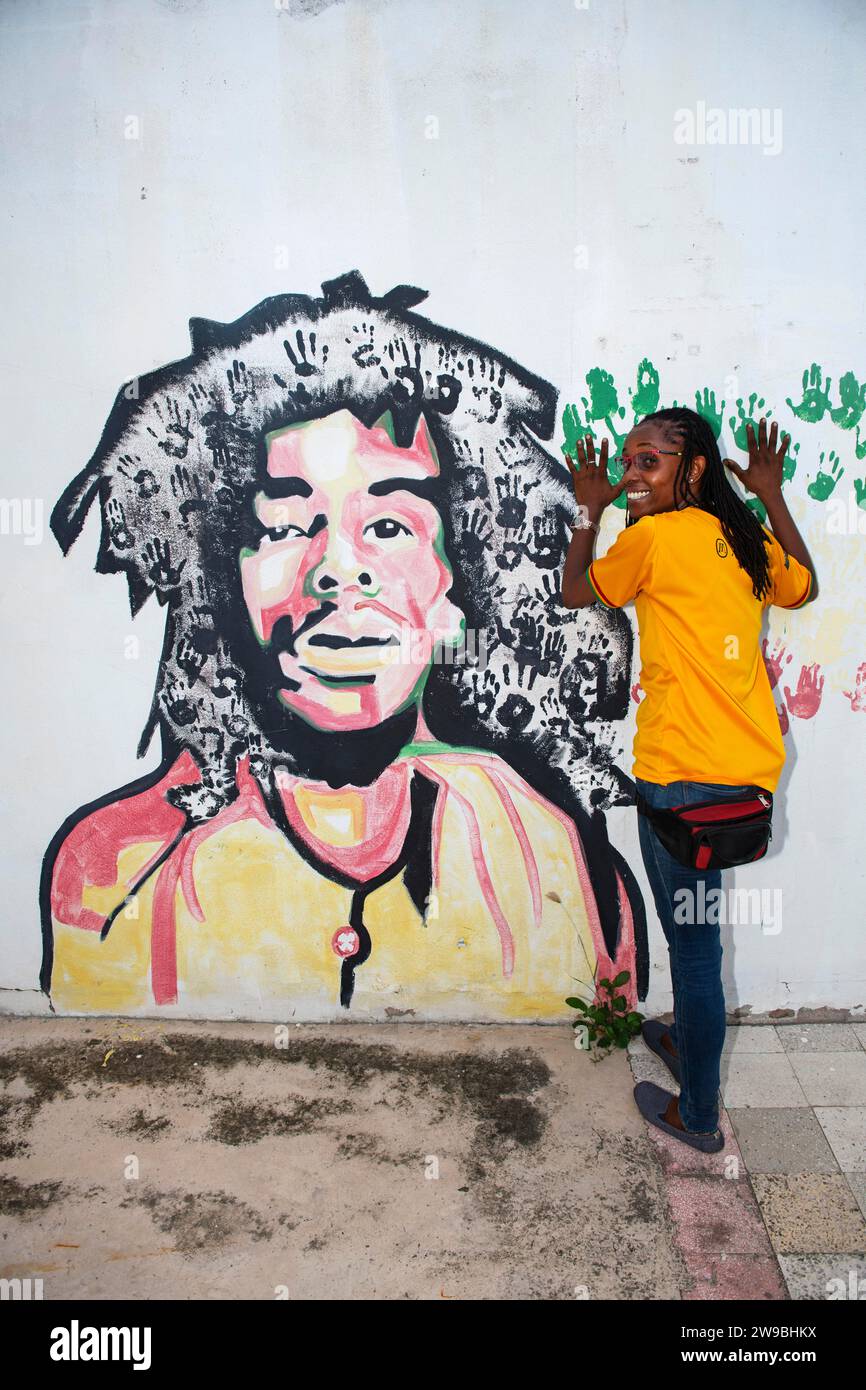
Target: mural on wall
[(386, 748)]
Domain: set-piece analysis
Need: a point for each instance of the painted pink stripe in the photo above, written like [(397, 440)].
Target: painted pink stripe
[(163, 934), (625, 956), (146, 867), (247, 806), (505, 938), (179, 867), (582, 870), (529, 860), (187, 879)]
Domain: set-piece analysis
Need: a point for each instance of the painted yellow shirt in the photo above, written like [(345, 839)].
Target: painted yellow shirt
[(264, 947)]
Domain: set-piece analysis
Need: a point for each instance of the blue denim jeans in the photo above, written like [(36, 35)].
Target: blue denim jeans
[(695, 950)]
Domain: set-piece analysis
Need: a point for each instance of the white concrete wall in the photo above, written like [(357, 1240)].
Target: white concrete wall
[(281, 146)]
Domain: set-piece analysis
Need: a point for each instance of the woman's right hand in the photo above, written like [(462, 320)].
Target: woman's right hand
[(592, 489)]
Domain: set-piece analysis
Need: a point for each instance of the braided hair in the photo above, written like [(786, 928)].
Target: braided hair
[(740, 526)]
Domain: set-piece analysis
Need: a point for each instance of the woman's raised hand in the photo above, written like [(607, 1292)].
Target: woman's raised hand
[(592, 490), (763, 474)]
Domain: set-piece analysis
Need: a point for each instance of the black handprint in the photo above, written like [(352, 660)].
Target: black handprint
[(364, 354), (178, 433), (187, 490), (547, 548), (512, 490), (550, 596), (190, 658), (511, 554), (552, 652), (475, 535), (145, 481), (241, 385), (162, 573), (119, 533), (228, 679), (178, 704), (235, 721), (306, 348)]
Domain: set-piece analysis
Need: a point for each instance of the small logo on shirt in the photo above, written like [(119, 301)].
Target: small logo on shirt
[(721, 549)]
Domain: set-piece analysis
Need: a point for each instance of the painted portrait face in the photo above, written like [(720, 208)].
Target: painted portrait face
[(348, 583)]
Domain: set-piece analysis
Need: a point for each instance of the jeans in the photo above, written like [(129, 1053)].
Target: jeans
[(695, 950)]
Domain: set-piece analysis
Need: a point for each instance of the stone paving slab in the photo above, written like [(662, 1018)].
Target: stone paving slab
[(831, 1078), (810, 1213), (818, 1037), (836, 1277), (761, 1079), (845, 1128), (783, 1141)]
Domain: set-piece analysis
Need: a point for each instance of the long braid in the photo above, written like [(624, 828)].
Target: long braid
[(740, 526)]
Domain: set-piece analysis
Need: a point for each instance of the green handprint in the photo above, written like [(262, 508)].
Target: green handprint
[(789, 463), (825, 482), (618, 440), (646, 398), (756, 505), (852, 394), (573, 427), (707, 408), (860, 493), (815, 400), (602, 393), (741, 439)]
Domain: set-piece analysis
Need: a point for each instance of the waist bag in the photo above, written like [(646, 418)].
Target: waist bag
[(714, 834)]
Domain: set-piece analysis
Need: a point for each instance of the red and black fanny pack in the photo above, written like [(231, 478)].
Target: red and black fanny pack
[(714, 834)]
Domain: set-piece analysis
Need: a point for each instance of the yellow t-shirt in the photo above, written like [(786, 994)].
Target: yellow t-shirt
[(708, 714)]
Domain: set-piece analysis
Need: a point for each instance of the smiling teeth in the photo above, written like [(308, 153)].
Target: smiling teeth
[(634, 496)]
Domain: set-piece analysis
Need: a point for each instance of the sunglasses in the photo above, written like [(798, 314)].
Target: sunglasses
[(646, 458)]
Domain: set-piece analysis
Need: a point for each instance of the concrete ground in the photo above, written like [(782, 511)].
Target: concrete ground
[(145, 1159)]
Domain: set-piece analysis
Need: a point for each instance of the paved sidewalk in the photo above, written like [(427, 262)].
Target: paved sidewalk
[(145, 1159), (781, 1211)]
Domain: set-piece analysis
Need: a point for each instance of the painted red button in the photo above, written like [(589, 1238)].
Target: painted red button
[(346, 942)]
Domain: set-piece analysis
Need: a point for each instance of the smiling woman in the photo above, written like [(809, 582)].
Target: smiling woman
[(701, 571)]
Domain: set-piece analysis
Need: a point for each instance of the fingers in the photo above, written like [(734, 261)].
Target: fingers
[(585, 449)]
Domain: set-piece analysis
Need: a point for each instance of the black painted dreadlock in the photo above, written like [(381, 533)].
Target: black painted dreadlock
[(740, 526)]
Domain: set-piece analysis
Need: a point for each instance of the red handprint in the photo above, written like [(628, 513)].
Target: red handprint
[(783, 719), (774, 661), (807, 697), (637, 692), (857, 696)]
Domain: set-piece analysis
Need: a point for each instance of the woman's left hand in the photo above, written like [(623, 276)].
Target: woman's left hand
[(763, 476)]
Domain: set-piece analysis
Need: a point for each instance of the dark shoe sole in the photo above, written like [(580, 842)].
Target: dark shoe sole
[(653, 1101), (653, 1031)]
